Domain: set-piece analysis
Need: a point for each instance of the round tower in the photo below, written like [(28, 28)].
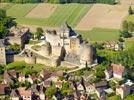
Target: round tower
[(86, 54), (46, 49)]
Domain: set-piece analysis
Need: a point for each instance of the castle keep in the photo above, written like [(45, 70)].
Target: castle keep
[(60, 48)]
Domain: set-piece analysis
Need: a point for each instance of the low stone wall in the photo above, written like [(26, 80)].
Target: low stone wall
[(19, 58), (30, 60), (44, 61)]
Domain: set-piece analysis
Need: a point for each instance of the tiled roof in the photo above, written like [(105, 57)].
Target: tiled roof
[(118, 69)]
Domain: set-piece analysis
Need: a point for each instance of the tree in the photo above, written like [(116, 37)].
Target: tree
[(50, 91), (130, 27), (5, 23), (1, 69), (125, 25), (126, 34), (130, 10), (121, 39), (38, 32), (16, 48), (66, 89), (130, 97)]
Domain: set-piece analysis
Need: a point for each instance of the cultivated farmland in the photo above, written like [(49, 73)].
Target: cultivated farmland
[(72, 13), (20, 10), (104, 16), (42, 11)]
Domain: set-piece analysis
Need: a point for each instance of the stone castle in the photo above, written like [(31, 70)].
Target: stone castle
[(60, 48)]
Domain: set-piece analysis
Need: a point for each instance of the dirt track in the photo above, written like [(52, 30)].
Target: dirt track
[(102, 15)]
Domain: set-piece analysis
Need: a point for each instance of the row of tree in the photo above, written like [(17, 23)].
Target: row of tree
[(62, 1), (5, 23)]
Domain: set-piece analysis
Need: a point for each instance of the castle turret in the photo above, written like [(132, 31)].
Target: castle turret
[(46, 49), (86, 54)]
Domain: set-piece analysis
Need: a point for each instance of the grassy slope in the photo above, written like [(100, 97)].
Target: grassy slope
[(72, 13), (20, 10), (6, 5), (100, 34)]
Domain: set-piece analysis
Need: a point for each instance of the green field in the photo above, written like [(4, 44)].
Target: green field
[(100, 34), (20, 10), (6, 5), (72, 13)]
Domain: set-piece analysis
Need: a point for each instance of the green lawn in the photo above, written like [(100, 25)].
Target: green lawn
[(100, 34), (20, 10), (21, 66), (72, 13)]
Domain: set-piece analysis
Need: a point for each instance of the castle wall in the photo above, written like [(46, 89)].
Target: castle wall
[(19, 58), (2, 55), (44, 61), (30, 60)]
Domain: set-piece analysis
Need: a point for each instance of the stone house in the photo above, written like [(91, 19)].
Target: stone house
[(100, 93), (108, 73), (112, 45), (8, 78), (47, 83), (42, 96), (45, 74), (4, 90), (58, 84), (21, 78), (100, 87), (89, 88), (123, 91), (14, 95), (80, 87), (26, 94), (118, 71)]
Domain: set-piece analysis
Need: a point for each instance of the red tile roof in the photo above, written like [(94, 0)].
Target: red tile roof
[(24, 92), (118, 69), (3, 88)]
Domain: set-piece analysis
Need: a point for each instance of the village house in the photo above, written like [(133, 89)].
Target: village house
[(80, 87), (118, 71), (100, 87), (14, 95), (26, 94), (45, 74), (89, 88), (4, 90), (123, 90), (47, 83), (55, 75), (58, 84), (115, 71), (113, 45), (8, 79), (21, 78), (108, 73)]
